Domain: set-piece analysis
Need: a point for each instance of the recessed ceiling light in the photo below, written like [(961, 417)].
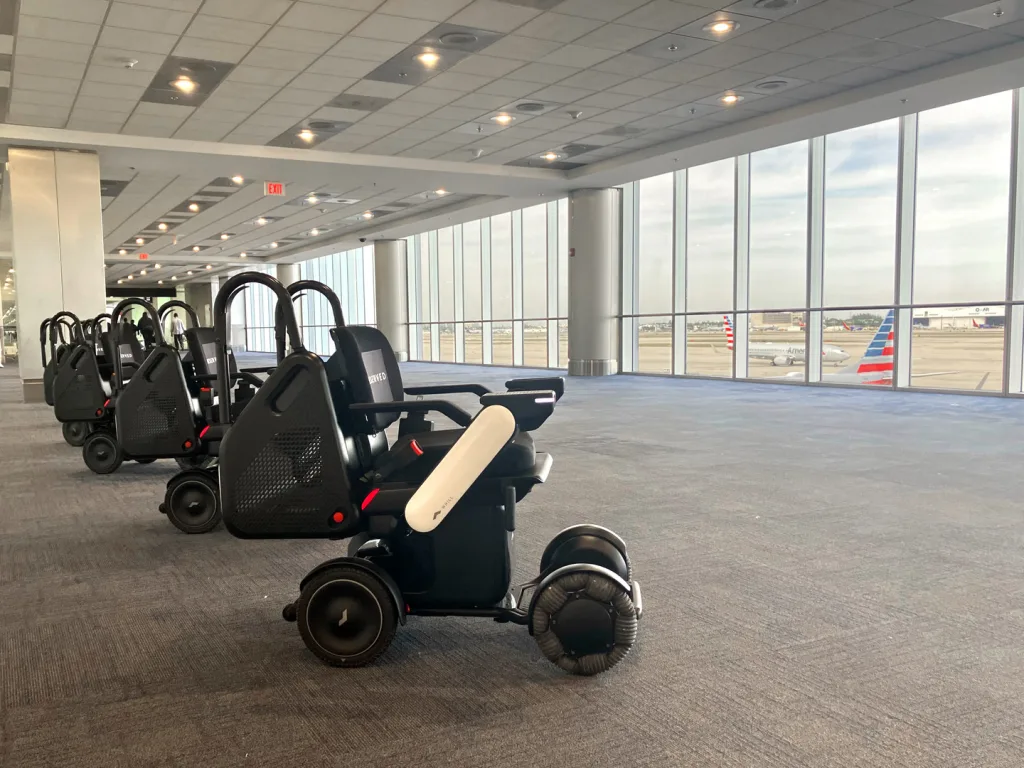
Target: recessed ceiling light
[(428, 59), (119, 282), (774, 5), (105, 266), (174, 277), (159, 282), (142, 272), (195, 249), (10, 271), (673, 48), (122, 252), (312, 199), (156, 266), (721, 27), (242, 255), (238, 179), (549, 156), (162, 227), (368, 215), (194, 207), (731, 98), (139, 241), (130, 277), (503, 118), (273, 245), (189, 272), (225, 236), (209, 266), (184, 84), (441, 192), (314, 232), (261, 221), (306, 135)]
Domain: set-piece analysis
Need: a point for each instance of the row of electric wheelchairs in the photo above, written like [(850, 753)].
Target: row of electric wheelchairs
[(429, 514)]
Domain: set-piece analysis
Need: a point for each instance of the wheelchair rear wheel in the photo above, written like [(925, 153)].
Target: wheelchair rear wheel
[(346, 616), (584, 622), (102, 453), (192, 502), (75, 432)]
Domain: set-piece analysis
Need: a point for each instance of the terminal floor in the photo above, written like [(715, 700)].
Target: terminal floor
[(831, 578)]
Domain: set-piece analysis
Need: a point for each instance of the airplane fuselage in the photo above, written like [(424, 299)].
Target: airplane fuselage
[(793, 353)]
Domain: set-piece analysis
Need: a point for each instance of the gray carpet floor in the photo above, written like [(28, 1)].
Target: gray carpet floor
[(831, 578)]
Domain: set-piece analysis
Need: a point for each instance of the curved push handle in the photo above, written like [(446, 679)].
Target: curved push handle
[(225, 296), (115, 318), (43, 328), (57, 324), (97, 323), (192, 314), (297, 289)]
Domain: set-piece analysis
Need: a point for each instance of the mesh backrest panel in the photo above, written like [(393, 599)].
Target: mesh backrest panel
[(77, 386), (282, 463), (202, 346), (154, 411)]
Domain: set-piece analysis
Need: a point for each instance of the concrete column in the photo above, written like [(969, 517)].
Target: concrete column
[(288, 274), (57, 239), (595, 251), (391, 289), (201, 296)]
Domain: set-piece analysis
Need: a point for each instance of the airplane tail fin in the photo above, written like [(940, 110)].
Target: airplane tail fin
[(730, 338), (876, 366), (846, 327), (975, 323)]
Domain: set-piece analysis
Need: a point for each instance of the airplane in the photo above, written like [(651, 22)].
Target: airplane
[(784, 354), (854, 328), (983, 325)]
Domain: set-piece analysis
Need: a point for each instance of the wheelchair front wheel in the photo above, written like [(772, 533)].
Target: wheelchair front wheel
[(346, 616), (75, 432)]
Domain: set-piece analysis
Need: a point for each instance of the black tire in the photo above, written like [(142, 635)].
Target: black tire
[(584, 622), (75, 432), (346, 616), (102, 453), (196, 462), (192, 502), (356, 542), (592, 544)]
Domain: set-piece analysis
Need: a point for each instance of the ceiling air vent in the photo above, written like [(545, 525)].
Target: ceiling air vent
[(774, 5), (457, 39), (531, 107), (769, 86)]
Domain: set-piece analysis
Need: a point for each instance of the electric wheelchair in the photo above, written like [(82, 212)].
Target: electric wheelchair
[(439, 506)]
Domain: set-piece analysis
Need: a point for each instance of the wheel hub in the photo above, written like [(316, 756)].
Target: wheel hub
[(194, 500), (344, 618), (584, 626)]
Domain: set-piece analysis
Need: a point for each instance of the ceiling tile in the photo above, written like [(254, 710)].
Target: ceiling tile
[(832, 13), (560, 94), (107, 90), (916, 60), (815, 91), (211, 50), (577, 56), (606, 10), (321, 18), (594, 81), (227, 30), (979, 41), (45, 49), (365, 49), (58, 30), (53, 84), (607, 100), (681, 72), (145, 61), (932, 33), (492, 15), (300, 97), (338, 114), (289, 39), (130, 39), (861, 76), (941, 8), (511, 88), (872, 52), (775, 62), (381, 26), (23, 96), (640, 87), (274, 58), (542, 73), (653, 105), (437, 96), (727, 78), (819, 70), (663, 15), (725, 55), (617, 37), (260, 11), (774, 36), (374, 88), (684, 94), (488, 66), (414, 108), (459, 81), (823, 45), (174, 5), (257, 94), (341, 67), (263, 76), (558, 26), (521, 48), (481, 101), (150, 19), (884, 24), (117, 75), (89, 11), (436, 10), (629, 64)]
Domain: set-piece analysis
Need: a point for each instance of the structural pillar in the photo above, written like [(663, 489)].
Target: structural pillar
[(201, 297), (288, 274), (391, 289), (595, 251), (57, 243)]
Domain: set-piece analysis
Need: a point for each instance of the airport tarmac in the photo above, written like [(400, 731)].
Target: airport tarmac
[(962, 359)]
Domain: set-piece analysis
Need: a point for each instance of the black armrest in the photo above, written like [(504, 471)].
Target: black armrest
[(530, 409), (443, 407), (449, 389), (247, 375), (555, 383), (266, 369)]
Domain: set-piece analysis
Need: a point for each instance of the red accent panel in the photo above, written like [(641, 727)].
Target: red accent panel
[(338, 517), (874, 367), (415, 447), (204, 431), (369, 497)]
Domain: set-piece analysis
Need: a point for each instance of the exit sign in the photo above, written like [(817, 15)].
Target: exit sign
[(143, 256), (275, 188)]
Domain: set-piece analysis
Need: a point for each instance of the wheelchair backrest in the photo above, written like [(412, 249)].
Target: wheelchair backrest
[(283, 463), (77, 385), (372, 370), (202, 347), (154, 415), (122, 342)]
